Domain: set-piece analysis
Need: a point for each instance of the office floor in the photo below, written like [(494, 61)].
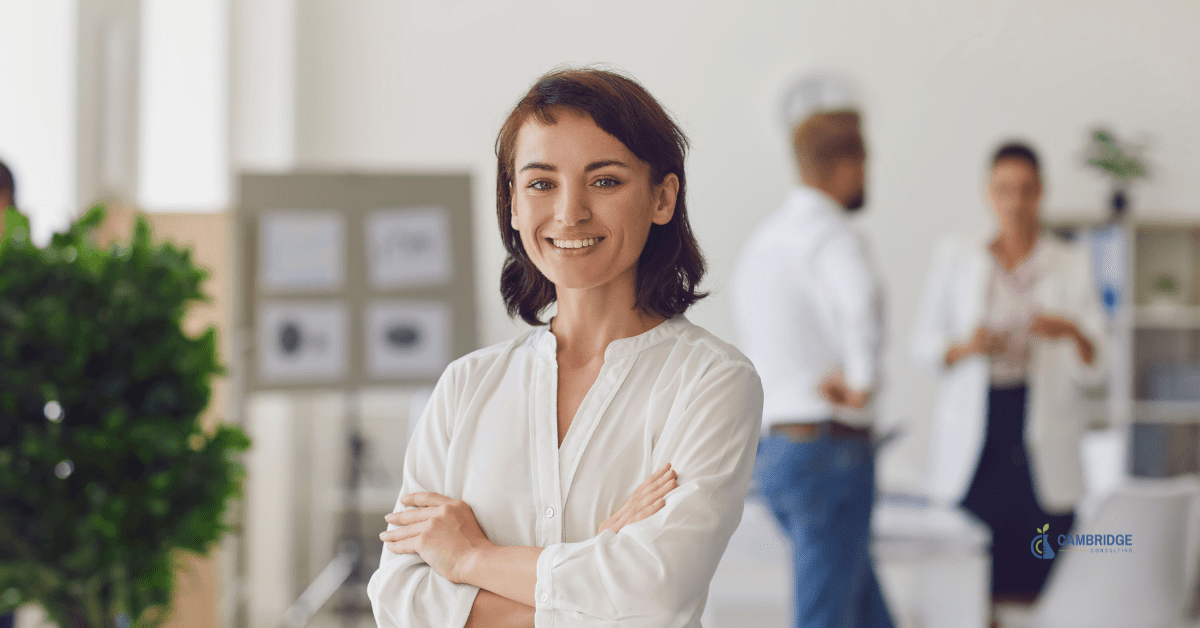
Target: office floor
[(925, 587)]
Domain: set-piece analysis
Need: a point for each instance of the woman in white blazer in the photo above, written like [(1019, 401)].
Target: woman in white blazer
[(1012, 323)]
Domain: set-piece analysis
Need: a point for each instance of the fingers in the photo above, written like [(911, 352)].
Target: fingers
[(655, 478), (650, 482), (833, 391), (400, 534), (409, 517), (653, 488), (654, 507), (980, 338), (833, 387), (857, 400), (665, 484), (658, 474), (645, 501), (403, 547), (425, 500)]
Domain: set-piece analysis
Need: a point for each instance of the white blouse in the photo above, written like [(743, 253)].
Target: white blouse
[(1011, 308), (489, 436)]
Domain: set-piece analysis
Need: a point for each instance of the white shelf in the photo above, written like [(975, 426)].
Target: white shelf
[(1167, 316), (1166, 411)]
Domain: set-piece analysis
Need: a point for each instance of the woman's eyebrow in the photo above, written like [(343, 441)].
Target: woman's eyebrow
[(596, 165), (537, 165)]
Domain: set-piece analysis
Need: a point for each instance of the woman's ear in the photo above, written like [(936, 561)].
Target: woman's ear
[(668, 192)]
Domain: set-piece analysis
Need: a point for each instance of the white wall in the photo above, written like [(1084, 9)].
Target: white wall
[(37, 108), (184, 110), (263, 85), (426, 85), (183, 134)]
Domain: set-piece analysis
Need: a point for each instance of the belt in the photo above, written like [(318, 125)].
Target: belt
[(813, 431)]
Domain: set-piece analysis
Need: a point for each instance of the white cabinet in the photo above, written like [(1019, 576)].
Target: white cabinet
[(1154, 337)]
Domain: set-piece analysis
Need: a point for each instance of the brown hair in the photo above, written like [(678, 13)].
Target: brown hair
[(7, 186), (824, 139), (1019, 151), (671, 265)]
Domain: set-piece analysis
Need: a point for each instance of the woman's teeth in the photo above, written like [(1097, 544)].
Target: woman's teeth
[(574, 244)]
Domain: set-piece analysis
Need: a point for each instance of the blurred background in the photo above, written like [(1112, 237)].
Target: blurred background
[(196, 113)]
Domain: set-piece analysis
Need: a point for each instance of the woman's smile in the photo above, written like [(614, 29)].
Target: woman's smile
[(568, 245), (584, 204)]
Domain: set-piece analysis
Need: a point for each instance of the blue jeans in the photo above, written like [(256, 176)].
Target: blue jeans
[(821, 493)]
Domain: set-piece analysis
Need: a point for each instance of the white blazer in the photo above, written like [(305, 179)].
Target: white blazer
[(952, 307)]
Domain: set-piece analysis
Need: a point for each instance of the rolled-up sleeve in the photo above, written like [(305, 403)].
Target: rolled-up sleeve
[(405, 592), (655, 573)]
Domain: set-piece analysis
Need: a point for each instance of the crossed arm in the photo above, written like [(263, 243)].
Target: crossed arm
[(445, 533)]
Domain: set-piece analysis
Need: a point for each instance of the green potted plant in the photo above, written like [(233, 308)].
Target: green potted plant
[(1115, 160), (106, 473)]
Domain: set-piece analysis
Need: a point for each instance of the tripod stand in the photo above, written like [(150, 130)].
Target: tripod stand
[(348, 560)]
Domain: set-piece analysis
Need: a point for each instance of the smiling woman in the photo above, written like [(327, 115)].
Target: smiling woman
[(633, 140), (591, 471)]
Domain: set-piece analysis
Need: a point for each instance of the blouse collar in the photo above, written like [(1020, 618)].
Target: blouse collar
[(1030, 269), (547, 344)]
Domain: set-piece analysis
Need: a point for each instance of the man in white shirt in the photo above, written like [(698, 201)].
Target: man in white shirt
[(809, 311)]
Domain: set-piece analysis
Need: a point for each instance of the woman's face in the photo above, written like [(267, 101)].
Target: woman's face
[(583, 202), (1015, 191)]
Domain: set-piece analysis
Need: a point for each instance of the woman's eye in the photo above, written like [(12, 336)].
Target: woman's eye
[(606, 182), (540, 184)]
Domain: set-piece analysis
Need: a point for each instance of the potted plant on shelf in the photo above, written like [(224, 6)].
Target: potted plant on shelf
[(106, 472), (1116, 161)]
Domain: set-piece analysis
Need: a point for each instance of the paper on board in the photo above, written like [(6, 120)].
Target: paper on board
[(407, 339), (302, 250), (408, 247), (302, 341)]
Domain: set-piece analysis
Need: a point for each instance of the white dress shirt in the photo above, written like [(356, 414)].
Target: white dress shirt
[(490, 437), (807, 300)]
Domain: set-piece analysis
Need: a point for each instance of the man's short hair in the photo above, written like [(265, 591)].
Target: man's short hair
[(826, 138), (1017, 150)]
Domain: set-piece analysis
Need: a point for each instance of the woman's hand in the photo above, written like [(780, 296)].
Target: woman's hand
[(645, 501), (1053, 327), (983, 342), (442, 530)]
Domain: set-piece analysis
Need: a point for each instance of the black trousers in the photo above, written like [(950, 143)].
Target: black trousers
[(1002, 496)]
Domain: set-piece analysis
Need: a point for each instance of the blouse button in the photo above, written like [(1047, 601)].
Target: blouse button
[(545, 596), (549, 513)]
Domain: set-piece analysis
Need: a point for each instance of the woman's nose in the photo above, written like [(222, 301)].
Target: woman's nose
[(572, 206)]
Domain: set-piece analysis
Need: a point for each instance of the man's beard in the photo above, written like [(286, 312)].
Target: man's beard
[(856, 203)]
